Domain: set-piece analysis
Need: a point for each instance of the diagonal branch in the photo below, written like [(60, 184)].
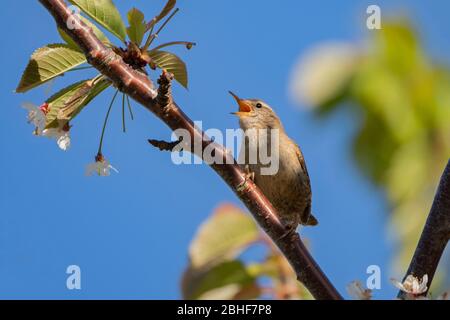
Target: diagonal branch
[(141, 89), (435, 234)]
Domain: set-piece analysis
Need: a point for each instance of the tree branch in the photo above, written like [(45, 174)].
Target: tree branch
[(435, 234), (140, 88)]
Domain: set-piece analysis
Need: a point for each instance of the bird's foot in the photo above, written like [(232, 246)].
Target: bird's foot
[(248, 175), (290, 231)]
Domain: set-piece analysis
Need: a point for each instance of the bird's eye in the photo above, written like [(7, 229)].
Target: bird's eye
[(259, 105)]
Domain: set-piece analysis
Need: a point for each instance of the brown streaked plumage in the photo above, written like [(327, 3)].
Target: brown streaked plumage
[(289, 189)]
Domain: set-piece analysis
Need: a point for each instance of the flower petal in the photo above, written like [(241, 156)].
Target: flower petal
[(29, 106), (399, 285), (64, 141), (91, 168), (423, 284), (114, 169)]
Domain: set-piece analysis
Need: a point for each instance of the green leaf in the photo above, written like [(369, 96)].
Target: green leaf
[(164, 12), (222, 237), (100, 35), (228, 280), (66, 104), (105, 13), (47, 63), (137, 27), (171, 63)]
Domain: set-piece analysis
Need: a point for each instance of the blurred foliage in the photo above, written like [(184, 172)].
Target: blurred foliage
[(216, 269), (402, 99)]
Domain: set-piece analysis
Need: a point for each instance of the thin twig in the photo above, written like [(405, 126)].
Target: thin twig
[(140, 88)]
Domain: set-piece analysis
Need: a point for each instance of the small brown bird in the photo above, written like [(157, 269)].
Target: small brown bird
[(289, 189)]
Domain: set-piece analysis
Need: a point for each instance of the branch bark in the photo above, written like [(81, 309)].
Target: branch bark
[(435, 234), (140, 88)]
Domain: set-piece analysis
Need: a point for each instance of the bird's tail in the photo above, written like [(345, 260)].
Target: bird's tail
[(312, 221)]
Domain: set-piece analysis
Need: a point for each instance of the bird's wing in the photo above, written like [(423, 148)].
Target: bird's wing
[(306, 215), (301, 159)]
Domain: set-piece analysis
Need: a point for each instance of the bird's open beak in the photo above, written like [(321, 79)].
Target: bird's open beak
[(244, 106)]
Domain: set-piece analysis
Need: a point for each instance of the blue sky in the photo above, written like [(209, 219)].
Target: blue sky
[(130, 232)]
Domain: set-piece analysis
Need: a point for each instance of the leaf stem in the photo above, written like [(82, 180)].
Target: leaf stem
[(106, 121), (151, 29), (129, 108), (123, 113), (97, 78), (186, 43), (156, 34)]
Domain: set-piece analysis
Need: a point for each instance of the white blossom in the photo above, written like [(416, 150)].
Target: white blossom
[(412, 285), (36, 115), (356, 291), (101, 167), (61, 134)]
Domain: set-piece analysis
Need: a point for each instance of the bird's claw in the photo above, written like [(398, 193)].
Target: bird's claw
[(248, 175), (291, 231), (242, 186)]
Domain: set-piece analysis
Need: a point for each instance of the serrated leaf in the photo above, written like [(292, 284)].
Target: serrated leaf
[(137, 27), (172, 63), (72, 99), (225, 281), (47, 63), (222, 237), (100, 35), (164, 12), (105, 13)]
